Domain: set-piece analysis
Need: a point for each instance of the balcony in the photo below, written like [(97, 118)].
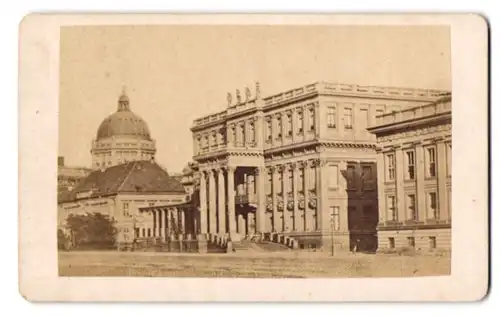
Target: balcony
[(246, 198)]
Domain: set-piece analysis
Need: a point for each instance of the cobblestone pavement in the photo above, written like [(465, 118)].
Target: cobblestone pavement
[(264, 265)]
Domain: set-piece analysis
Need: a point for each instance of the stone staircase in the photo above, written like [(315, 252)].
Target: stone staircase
[(267, 243)]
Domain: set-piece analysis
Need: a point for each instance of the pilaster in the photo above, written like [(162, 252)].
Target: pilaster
[(295, 170), (400, 194), (287, 225), (420, 181), (274, 171), (441, 180), (381, 169)]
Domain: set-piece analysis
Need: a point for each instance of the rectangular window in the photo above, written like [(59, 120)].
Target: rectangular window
[(410, 165), (300, 122), (391, 172), (290, 181), (269, 130), (367, 173), (411, 207), (312, 119), (432, 205), (432, 242), (363, 119), (301, 179), (280, 182), (278, 126), (392, 243), (252, 132), (334, 218), (269, 180), (431, 162), (333, 176), (125, 209), (347, 118), (331, 117), (411, 242), (214, 139), (289, 124), (149, 232), (391, 208)]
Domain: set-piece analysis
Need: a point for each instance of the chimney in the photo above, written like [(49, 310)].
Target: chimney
[(60, 161)]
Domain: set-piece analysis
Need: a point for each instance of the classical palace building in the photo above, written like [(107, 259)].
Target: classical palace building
[(296, 165), (123, 136), (414, 176)]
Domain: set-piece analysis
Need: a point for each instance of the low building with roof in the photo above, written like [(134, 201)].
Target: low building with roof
[(120, 191)]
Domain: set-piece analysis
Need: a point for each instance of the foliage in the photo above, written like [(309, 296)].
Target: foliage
[(92, 231), (63, 240)]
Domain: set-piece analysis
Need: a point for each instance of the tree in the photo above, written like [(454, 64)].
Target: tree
[(62, 240), (92, 230)]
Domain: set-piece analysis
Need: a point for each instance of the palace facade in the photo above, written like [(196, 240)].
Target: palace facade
[(298, 165), (414, 177)]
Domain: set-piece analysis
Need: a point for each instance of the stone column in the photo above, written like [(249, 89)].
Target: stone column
[(203, 204), (295, 195), (222, 201), (212, 223), (241, 225), (231, 204), (274, 171), (156, 223), (381, 169), (287, 225), (420, 182), (307, 225), (183, 220), (261, 195), (400, 194), (160, 223), (443, 206)]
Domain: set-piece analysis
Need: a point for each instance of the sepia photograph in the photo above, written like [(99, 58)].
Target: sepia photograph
[(255, 151)]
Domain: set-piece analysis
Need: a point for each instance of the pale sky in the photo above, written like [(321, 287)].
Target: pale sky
[(175, 74)]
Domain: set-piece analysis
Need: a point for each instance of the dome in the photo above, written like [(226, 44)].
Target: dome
[(123, 123)]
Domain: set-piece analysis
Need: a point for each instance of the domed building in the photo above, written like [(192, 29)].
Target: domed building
[(122, 137)]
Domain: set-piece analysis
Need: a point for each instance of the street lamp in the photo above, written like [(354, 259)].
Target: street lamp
[(334, 225)]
